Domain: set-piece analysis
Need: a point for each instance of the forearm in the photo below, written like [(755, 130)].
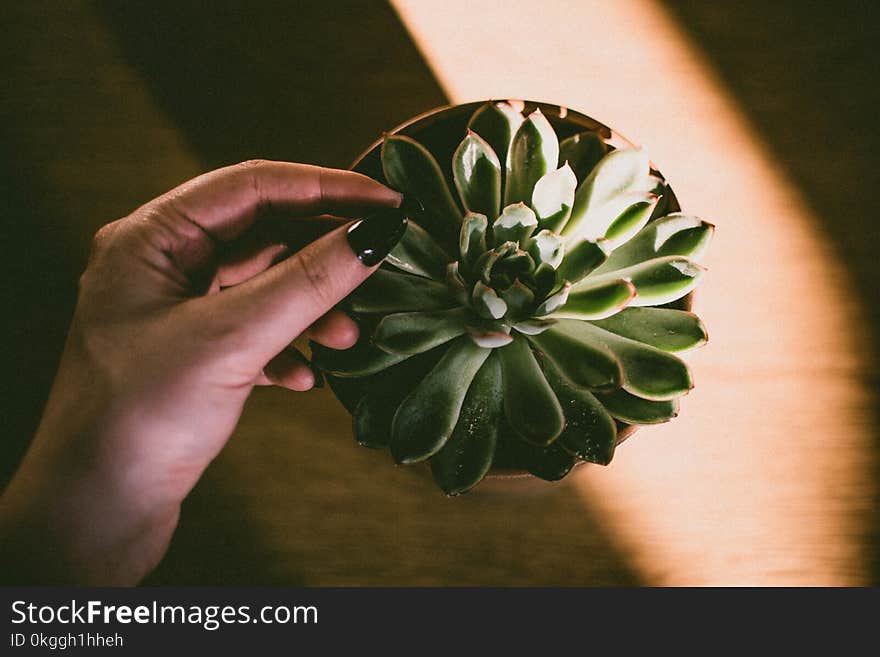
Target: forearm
[(63, 523)]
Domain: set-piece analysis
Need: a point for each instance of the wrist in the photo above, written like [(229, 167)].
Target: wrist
[(75, 520)]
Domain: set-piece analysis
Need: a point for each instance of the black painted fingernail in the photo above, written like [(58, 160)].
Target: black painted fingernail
[(375, 235)]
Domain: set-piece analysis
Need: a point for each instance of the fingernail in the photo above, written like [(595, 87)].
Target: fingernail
[(375, 235)]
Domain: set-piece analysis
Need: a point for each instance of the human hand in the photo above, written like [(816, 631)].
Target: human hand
[(184, 307)]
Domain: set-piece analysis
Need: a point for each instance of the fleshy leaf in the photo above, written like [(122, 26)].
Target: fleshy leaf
[(534, 326), (515, 263), (489, 337), (410, 168), (647, 372), (544, 278), (487, 303), (516, 223), (582, 152), (458, 289), (553, 197), (618, 211), (550, 463), (590, 300), (621, 172), (589, 433), (658, 281), (664, 328), (387, 291), (675, 234), (477, 174), (472, 239), (533, 152), (519, 298), (580, 359), (580, 259), (630, 222), (414, 333), (554, 302), (486, 262), (426, 417), (635, 410), (372, 416), (546, 247), (363, 359), (417, 253), (496, 123), (467, 456), (530, 406)]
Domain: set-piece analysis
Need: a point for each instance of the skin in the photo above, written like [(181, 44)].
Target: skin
[(185, 305)]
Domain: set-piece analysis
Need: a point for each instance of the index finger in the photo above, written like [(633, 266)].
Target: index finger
[(225, 202)]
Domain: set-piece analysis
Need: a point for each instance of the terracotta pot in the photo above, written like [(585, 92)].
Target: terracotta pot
[(440, 131)]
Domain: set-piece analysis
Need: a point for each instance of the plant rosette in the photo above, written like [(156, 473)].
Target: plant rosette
[(532, 314)]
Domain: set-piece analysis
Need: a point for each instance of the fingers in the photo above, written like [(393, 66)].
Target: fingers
[(224, 202), (267, 312), (270, 240), (221, 205), (290, 369), (245, 264), (335, 330)]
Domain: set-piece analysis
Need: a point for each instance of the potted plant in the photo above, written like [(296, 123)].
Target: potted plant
[(530, 317)]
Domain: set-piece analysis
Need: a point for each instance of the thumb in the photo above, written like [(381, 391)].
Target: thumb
[(267, 312)]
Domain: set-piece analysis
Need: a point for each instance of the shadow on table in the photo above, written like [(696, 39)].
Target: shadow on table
[(304, 81)]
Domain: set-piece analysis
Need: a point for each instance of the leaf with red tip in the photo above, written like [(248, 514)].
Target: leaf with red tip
[(664, 328), (673, 235), (657, 281), (516, 223), (496, 123), (553, 198), (596, 300), (582, 152), (580, 259), (417, 253), (487, 303), (647, 372), (635, 410), (410, 168), (477, 174), (579, 357), (533, 152)]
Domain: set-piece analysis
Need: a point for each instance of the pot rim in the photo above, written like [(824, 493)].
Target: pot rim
[(561, 112)]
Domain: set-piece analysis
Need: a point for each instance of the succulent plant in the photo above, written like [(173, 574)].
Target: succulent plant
[(528, 315)]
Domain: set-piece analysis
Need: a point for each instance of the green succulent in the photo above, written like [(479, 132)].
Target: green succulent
[(525, 321)]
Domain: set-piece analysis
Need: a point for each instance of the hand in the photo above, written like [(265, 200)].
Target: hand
[(185, 306)]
